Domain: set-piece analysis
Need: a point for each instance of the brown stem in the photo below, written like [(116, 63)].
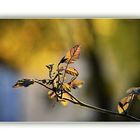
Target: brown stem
[(36, 81), (58, 72), (108, 111), (101, 110), (65, 72), (92, 107)]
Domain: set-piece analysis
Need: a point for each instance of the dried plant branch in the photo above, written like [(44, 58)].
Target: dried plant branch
[(37, 81), (101, 110), (61, 90)]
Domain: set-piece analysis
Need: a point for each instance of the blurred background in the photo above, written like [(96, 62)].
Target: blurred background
[(109, 64)]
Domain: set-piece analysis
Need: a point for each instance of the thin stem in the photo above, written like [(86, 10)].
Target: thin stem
[(108, 111), (101, 110), (36, 81), (55, 77), (66, 68), (65, 72), (73, 97), (58, 73), (130, 103), (64, 76)]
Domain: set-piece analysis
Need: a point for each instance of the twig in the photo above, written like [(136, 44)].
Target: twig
[(57, 87), (36, 81), (101, 110)]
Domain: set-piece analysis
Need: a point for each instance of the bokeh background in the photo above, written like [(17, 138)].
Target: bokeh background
[(109, 64)]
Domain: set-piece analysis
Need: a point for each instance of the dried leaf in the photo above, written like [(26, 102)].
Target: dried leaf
[(76, 84), (23, 83), (73, 54), (69, 70), (63, 101), (63, 60), (51, 94), (124, 103), (66, 87), (50, 66), (133, 90), (72, 71)]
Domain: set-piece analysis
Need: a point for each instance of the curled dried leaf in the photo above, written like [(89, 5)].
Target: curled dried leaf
[(50, 66), (125, 103), (23, 83), (73, 54), (76, 84), (133, 90)]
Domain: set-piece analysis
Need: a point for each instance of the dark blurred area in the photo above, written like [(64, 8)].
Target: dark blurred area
[(109, 64)]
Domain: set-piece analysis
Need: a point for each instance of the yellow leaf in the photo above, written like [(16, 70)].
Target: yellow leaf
[(72, 71), (124, 103), (51, 94), (73, 54), (63, 101), (76, 84), (66, 87)]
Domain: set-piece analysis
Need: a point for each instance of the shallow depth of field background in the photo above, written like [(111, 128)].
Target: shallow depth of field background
[(109, 64)]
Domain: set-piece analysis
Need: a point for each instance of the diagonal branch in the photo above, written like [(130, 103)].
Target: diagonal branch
[(36, 81), (101, 110)]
